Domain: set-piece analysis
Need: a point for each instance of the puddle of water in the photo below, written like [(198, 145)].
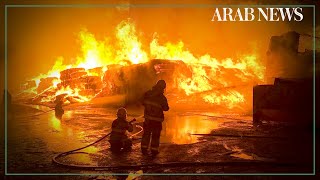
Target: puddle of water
[(239, 154), (80, 127), (39, 107), (242, 156), (80, 159), (68, 114), (178, 129), (54, 122), (91, 149)]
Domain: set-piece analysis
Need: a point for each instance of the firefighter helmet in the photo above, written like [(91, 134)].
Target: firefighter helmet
[(122, 113), (161, 84)]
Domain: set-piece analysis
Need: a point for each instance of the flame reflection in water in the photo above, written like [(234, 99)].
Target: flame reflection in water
[(178, 129)]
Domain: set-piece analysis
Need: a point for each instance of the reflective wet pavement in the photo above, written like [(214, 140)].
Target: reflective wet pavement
[(34, 138)]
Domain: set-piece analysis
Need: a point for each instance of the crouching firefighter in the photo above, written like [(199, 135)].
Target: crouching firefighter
[(118, 138), (154, 103)]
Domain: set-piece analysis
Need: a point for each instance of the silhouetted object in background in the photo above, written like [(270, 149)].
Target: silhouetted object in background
[(154, 103), (58, 109), (287, 100), (118, 138)]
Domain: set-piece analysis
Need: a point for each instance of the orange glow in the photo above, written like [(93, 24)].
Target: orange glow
[(54, 72), (55, 122), (129, 43), (208, 75), (179, 129), (247, 69)]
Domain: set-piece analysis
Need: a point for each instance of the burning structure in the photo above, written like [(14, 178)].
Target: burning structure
[(126, 68)]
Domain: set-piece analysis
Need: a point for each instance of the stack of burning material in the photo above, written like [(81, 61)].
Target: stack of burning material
[(45, 90), (93, 82), (168, 69), (95, 71), (45, 84), (136, 79), (112, 81), (73, 77), (79, 78), (79, 84), (28, 85)]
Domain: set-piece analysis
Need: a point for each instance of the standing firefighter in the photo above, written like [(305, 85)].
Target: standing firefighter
[(58, 109), (154, 103), (118, 137)]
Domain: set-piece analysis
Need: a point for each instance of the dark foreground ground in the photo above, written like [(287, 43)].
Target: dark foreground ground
[(228, 144)]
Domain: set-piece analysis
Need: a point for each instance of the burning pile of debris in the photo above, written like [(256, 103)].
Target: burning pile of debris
[(76, 85), (135, 79), (125, 68)]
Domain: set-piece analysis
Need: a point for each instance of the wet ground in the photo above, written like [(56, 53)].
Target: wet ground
[(191, 142)]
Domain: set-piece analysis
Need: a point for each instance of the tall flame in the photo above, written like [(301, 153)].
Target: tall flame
[(208, 74), (130, 47), (94, 53)]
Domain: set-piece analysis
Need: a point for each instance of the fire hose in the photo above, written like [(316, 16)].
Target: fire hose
[(54, 159), (161, 165)]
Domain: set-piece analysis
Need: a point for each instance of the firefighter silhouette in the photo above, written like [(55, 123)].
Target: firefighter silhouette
[(154, 103), (58, 109), (118, 138)]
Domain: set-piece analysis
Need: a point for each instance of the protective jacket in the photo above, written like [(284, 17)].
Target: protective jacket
[(155, 103), (119, 128)]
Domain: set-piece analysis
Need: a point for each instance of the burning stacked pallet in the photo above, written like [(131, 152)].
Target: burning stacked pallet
[(79, 84)]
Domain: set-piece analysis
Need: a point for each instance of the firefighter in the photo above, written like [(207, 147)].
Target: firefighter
[(154, 103), (118, 137), (58, 109)]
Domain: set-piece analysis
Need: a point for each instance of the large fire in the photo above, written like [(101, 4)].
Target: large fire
[(209, 80)]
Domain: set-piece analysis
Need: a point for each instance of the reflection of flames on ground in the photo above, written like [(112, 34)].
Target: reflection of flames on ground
[(108, 68)]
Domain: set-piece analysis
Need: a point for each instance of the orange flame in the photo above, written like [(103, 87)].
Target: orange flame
[(207, 73)]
